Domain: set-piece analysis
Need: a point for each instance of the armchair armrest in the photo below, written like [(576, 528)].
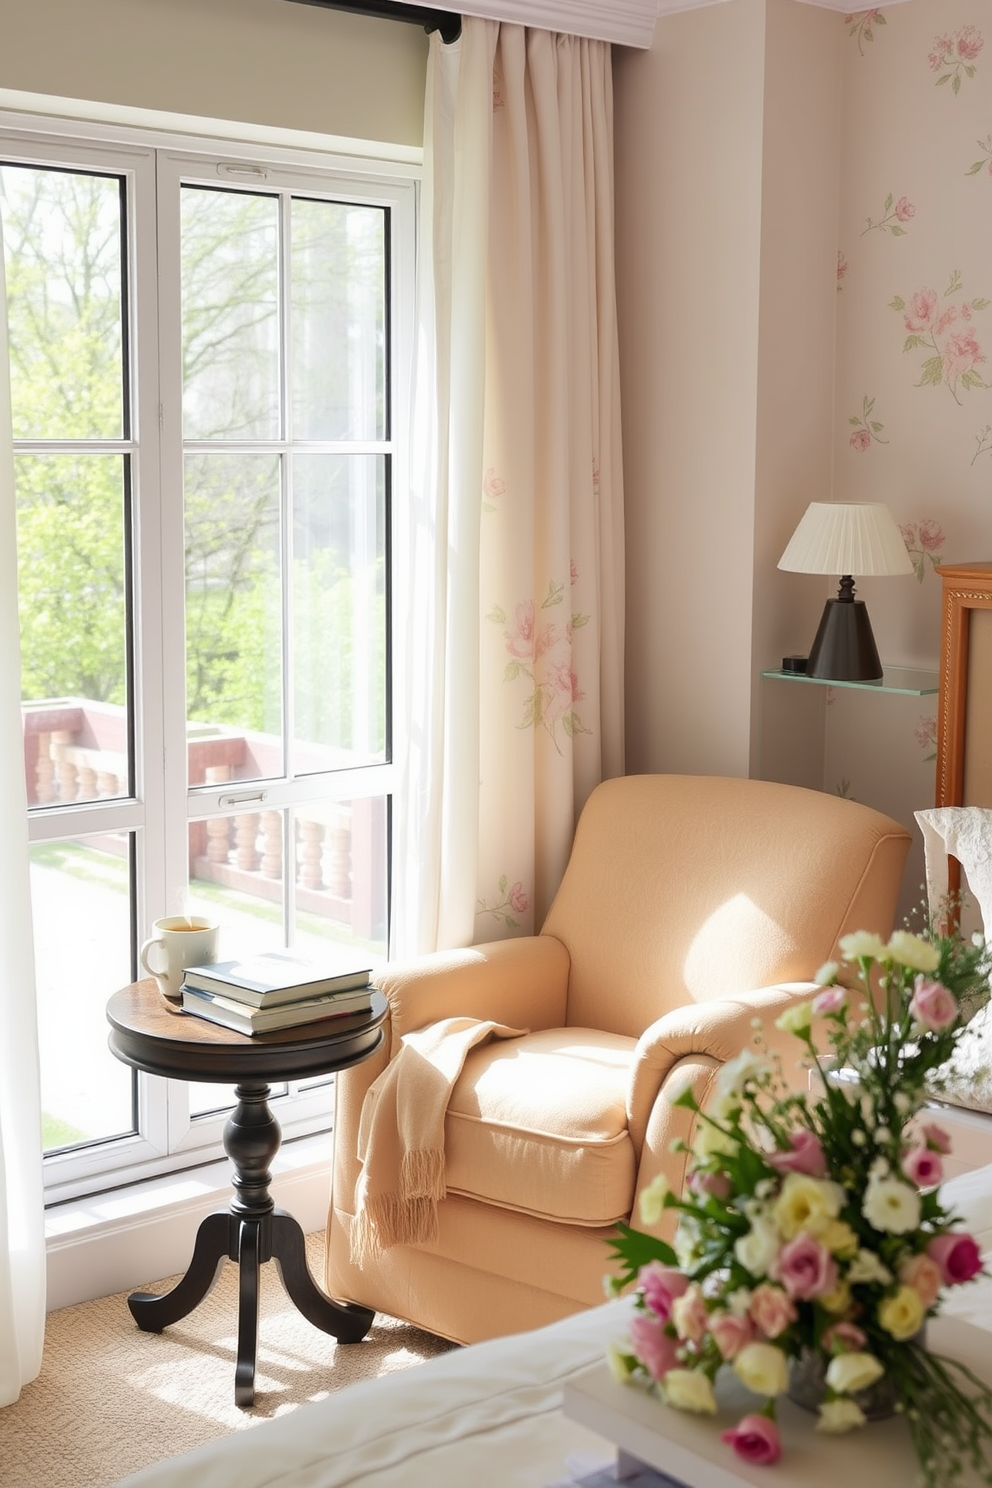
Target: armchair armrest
[(522, 982), (720, 1029)]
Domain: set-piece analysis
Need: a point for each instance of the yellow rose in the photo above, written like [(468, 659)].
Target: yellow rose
[(652, 1201), (902, 1315), (837, 1301), (689, 1390), (839, 1238), (711, 1140), (621, 1363), (806, 1204), (763, 1368), (847, 1373)]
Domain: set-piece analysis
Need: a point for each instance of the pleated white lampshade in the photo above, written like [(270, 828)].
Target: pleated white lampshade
[(847, 537)]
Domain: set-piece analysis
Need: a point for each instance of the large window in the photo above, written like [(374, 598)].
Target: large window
[(204, 357)]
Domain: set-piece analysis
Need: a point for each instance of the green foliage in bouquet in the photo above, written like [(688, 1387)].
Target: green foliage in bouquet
[(812, 1230)]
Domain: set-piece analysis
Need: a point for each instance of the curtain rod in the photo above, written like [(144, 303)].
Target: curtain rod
[(447, 22)]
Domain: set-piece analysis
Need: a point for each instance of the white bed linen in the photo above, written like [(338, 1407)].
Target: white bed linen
[(488, 1416)]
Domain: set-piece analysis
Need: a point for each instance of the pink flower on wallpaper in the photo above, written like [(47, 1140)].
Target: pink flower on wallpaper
[(542, 655), (953, 57), (866, 429), (924, 540), (573, 572), (508, 902), (926, 736), (493, 486), (893, 214), (953, 356), (861, 23)]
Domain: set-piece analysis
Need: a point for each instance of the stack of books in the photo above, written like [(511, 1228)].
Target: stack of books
[(274, 990)]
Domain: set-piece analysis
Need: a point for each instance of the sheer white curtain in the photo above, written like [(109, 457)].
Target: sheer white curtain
[(511, 692), (22, 1230)]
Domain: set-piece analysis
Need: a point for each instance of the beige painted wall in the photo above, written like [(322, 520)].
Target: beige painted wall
[(263, 62), (727, 305)]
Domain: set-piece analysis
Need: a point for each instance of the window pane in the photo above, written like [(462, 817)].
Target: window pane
[(341, 875), (233, 617), (339, 598), (230, 259), (338, 321), (81, 897), (72, 599), (62, 242)]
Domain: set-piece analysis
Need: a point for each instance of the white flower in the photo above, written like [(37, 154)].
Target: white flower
[(849, 1372), (912, 951), (711, 1140), (758, 1248), (838, 1416), (862, 945), (651, 1203), (902, 1102), (739, 1302), (795, 1019), (882, 1135), (620, 1361), (827, 974), (868, 1268), (763, 1368), (891, 1206), (732, 1078), (858, 1137), (689, 1390)]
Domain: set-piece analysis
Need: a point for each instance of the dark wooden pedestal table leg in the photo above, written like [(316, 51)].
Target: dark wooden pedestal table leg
[(251, 1231)]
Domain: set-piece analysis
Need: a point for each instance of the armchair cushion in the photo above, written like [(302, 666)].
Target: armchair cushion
[(539, 1124)]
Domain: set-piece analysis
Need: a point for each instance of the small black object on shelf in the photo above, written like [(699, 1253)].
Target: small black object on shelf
[(796, 665)]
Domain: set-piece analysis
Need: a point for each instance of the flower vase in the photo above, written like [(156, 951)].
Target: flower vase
[(807, 1385)]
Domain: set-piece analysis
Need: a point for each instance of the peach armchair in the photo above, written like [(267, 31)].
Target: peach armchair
[(690, 906)]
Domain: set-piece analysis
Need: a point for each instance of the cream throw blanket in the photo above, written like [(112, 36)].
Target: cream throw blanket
[(401, 1135)]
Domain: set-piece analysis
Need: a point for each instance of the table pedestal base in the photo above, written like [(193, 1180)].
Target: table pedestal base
[(250, 1232)]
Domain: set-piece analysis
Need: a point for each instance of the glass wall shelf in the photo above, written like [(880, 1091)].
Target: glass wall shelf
[(905, 680)]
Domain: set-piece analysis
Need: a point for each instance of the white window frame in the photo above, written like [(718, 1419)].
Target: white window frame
[(155, 165)]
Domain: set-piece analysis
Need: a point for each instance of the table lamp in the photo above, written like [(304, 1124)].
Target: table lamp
[(852, 539)]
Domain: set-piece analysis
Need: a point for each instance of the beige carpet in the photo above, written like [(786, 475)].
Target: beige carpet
[(111, 1399)]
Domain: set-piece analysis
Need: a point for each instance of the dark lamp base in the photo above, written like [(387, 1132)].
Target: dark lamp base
[(844, 647)]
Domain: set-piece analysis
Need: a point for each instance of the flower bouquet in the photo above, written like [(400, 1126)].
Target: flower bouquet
[(812, 1244)]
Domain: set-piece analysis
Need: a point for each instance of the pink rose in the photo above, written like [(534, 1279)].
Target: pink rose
[(690, 1315), (804, 1156), (922, 1273), (755, 1438), (905, 209), (860, 440), (922, 306), (830, 1000), (521, 642), (922, 1167), (970, 43), (957, 1256), (717, 1185), (771, 1309), (935, 1137), (844, 1338), (805, 1268), (652, 1345), (731, 1333), (518, 898), (661, 1285), (933, 1005), (961, 354)]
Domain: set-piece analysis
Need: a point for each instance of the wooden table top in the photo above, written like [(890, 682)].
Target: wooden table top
[(155, 1035)]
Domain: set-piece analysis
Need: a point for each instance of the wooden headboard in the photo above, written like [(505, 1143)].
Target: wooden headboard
[(964, 708)]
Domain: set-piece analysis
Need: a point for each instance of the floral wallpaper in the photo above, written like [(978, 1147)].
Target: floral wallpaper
[(914, 354)]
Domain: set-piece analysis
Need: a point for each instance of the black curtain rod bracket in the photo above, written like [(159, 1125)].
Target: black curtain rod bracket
[(446, 21)]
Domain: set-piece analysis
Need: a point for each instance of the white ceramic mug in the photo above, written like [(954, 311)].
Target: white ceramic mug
[(178, 941)]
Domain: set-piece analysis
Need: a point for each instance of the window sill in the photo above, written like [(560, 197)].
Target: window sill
[(137, 1235)]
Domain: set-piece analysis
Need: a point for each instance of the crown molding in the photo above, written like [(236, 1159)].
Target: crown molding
[(626, 22)]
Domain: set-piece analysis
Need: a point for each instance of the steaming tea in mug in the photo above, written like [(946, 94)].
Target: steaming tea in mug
[(178, 941)]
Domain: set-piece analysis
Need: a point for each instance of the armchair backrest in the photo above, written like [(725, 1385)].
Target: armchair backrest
[(685, 888)]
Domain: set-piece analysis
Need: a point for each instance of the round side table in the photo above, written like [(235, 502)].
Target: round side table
[(152, 1035)]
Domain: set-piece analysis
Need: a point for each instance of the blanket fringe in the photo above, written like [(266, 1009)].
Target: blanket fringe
[(422, 1174), (386, 1220)]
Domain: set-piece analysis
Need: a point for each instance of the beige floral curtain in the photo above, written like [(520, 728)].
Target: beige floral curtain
[(512, 680)]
